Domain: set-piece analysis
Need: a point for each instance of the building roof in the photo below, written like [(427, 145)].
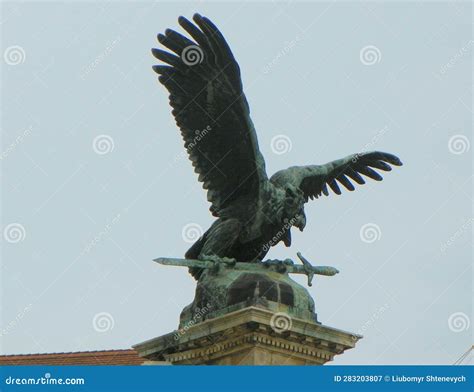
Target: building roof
[(107, 357)]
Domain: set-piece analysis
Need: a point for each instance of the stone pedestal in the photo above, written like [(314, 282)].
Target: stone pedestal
[(249, 336)]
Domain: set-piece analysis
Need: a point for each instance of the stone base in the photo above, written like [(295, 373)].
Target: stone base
[(250, 336)]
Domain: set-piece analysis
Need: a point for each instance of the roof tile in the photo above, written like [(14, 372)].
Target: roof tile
[(106, 357)]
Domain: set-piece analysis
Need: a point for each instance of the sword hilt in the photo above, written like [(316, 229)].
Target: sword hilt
[(308, 268)]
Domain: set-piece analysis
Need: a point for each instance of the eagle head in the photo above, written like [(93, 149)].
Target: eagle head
[(294, 208)]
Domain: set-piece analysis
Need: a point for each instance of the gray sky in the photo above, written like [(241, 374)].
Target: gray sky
[(84, 214)]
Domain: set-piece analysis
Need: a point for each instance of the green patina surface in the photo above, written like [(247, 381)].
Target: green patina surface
[(254, 211), (224, 289)]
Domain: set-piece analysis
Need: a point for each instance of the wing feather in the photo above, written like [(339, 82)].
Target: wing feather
[(315, 179), (212, 113)]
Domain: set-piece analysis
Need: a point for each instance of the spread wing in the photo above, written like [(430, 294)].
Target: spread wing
[(211, 110), (314, 180)]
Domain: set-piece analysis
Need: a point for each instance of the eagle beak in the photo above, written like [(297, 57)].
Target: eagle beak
[(287, 238), (301, 222)]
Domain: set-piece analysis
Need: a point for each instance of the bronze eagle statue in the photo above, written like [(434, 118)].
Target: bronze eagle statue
[(253, 212)]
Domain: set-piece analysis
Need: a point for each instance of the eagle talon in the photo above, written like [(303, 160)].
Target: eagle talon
[(280, 266), (216, 259)]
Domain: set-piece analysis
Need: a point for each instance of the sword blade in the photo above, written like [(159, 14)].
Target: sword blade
[(182, 262)]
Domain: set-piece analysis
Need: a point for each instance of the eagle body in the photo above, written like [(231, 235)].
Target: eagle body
[(248, 241), (253, 212)]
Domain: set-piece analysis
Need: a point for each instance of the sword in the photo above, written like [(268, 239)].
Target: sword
[(306, 268)]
